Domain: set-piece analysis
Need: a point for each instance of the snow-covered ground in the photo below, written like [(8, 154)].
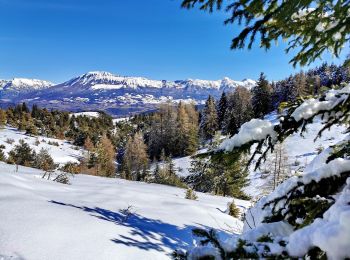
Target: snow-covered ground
[(61, 154), (88, 114), (301, 150), (42, 219)]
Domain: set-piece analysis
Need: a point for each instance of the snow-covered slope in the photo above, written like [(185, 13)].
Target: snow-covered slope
[(41, 219), (105, 80), (118, 95), (61, 154), (22, 84), (300, 150)]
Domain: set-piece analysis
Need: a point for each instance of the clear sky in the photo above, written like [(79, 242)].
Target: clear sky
[(59, 39)]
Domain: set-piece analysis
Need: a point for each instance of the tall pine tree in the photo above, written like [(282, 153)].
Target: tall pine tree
[(261, 99), (209, 120)]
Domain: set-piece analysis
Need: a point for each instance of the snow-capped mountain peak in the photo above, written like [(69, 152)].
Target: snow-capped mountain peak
[(100, 90), (19, 84)]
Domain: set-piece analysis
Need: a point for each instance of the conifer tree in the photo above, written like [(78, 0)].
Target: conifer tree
[(2, 154), (2, 118), (309, 26), (44, 161), (24, 108), (209, 120), (239, 110), (105, 153), (221, 109), (261, 100), (22, 154), (88, 145), (183, 127), (135, 160)]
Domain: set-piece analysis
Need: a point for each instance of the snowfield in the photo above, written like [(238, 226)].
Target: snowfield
[(42, 219), (61, 154)]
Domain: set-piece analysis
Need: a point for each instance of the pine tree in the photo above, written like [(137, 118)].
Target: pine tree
[(190, 194), (239, 110), (221, 109), (2, 154), (135, 160), (157, 174), (309, 26), (44, 161), (2, 118), (209, 121), (22, 154), (31, 128), (231, 175), (183, 128), (261, 100), (24, 108), (105, 152), (88, 145)]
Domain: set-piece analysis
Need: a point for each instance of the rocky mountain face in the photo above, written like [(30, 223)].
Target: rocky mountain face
[(117, 95)]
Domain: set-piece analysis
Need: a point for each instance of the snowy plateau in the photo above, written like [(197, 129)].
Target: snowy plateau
[(117, 95)]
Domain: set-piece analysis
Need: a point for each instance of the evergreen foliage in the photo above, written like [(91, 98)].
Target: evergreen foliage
[(209, 120), (233, 210), (239, 110), (135, 160), (22, 154), (190, 194), (311, 27), (261, 100), (44, 161), (2, 154), (222, 109)]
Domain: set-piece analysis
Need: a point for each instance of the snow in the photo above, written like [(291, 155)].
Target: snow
[(254, 130), (330, 233), (99, 80), (333, 168), (312, 106), (24, 84), (258, 129), (61, 154), (42, 219), (88, 114)]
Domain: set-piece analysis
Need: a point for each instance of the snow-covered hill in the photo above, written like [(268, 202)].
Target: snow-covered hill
[(22, 84), (118, 95), (105, 80), (42, 219), (300, 150), (60, 150)]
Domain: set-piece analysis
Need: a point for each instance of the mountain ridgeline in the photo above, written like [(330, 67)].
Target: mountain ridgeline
[(114, 94)]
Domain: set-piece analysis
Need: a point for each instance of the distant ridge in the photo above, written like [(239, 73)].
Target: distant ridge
[(117, 95)]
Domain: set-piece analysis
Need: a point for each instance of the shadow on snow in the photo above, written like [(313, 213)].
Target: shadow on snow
[(145, 233)]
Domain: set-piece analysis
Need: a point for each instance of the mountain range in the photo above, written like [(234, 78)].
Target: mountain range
[(117, 95)]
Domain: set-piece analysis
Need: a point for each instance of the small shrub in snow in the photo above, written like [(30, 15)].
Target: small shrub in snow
[(62, 178), (2, 155), (127, 212), (44, 161), (191, 194), (73, 168), (10, 141), (233, 210), (53, 143), (37, 142)]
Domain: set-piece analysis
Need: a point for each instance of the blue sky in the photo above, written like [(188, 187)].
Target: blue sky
[(58, 39)]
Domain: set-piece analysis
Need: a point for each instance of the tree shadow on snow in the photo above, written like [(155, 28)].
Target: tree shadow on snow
[(145, 233)]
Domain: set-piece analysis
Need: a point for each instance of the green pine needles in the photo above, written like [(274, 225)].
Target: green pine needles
[(310, 27)]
